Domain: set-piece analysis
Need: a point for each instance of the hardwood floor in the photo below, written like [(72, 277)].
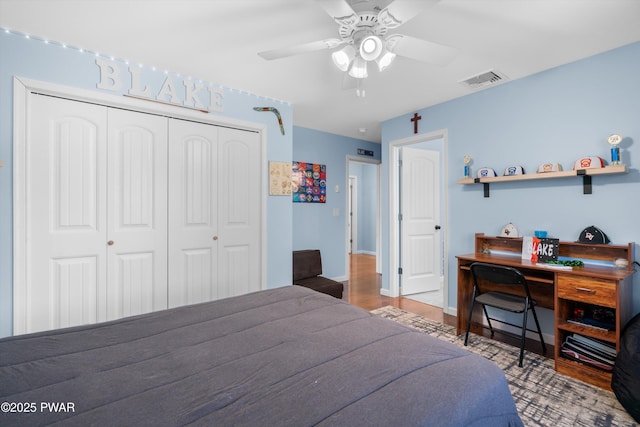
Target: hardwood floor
[(363, 290)]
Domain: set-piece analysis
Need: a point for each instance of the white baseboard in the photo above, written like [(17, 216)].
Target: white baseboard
[(451, 311), (365, 253)]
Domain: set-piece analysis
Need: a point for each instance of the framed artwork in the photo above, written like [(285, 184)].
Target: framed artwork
[(280, 178), (309, 182)]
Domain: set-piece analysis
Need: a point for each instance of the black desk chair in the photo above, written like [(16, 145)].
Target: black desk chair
[(512, 302)]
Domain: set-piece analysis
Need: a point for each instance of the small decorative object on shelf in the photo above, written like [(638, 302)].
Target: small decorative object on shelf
[(467, 168), (614, 140)]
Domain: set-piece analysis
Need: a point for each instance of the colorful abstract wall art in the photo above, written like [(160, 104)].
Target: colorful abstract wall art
[(309, 182)]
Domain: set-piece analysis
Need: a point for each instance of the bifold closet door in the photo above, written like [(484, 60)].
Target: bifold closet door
[(127, 213), (96, 223), (137, 213), (193, 232), (239, 212), (214, 213), (66, 228)]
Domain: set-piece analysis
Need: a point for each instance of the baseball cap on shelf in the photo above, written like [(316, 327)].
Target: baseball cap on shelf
[(509, 230), (549, 167), (593, 162), (514, 170), (593, 234), (486, 172)]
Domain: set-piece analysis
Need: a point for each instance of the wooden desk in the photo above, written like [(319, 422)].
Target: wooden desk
[(560, 291)]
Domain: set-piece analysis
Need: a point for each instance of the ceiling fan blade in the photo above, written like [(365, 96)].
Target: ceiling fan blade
[(420, 50), (301, 48), (340, 11), (400, 11)]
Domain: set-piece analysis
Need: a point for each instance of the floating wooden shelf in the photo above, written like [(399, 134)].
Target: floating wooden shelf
[(586, 175)]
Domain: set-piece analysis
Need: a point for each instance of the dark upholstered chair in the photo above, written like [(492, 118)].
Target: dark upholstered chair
[(517, 302), (307, 271)]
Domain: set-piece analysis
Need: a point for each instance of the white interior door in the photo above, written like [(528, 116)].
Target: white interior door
[(137, 213), (66, 229), (420, 207), (239, 214), (92, 213), (193, 230)]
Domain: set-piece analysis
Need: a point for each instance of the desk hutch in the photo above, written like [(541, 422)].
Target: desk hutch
[(561, 290)]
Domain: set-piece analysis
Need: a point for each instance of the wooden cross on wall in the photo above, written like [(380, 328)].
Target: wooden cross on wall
[(415, 119)]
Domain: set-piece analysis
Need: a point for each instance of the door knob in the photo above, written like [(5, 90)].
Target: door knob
[(215, 237), (438, 227), (110, 242)]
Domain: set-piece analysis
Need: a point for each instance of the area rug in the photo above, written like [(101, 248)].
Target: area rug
[(543, 397)]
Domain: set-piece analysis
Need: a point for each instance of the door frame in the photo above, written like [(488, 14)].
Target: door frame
[(357, 159), (352, 215), (23, 88), (394, 209)]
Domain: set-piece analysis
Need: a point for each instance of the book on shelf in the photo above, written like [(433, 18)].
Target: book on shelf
[(589, 351), (575, 356), (595, 324), (597, 344), (600, 318)]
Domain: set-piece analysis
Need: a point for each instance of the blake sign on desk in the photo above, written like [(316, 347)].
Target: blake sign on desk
[(309, 182), (540, 250)]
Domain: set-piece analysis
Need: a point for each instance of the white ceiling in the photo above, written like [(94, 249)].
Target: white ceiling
[(218, 41)]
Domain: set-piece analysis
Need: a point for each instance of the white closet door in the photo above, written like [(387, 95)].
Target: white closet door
[(193, 234), (105, 234), (239, 217), (66, 220), (137, 212)]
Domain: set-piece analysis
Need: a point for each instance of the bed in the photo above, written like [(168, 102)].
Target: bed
[(281, 357)]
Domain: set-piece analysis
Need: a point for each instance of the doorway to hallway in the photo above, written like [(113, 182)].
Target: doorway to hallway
[(363, 210), (417, 242)]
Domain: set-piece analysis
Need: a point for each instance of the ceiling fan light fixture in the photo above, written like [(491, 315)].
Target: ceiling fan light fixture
[(370, 48), (358, 68), (385, 59), (343, 57)]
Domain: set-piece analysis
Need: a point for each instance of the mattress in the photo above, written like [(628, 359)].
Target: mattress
[(280, 357)]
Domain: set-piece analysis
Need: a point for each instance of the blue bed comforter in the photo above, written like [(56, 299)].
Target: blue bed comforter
[(280, 357)]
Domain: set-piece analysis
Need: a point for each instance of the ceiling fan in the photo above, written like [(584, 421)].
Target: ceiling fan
[(364, 37)]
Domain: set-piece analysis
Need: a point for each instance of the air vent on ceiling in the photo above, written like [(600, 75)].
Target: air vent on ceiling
[(488, 78)]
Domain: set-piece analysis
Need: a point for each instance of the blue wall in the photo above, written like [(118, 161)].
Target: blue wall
[(34, 59), (314, 224), (558, 115)]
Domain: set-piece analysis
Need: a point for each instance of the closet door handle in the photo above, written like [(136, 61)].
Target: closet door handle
[(110, 242), (215, 237)]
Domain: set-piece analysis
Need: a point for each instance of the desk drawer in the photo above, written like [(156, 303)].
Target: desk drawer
[(587, 289)]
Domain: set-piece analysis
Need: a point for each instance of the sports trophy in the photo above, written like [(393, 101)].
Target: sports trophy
[(467, 170), (614, 140)]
